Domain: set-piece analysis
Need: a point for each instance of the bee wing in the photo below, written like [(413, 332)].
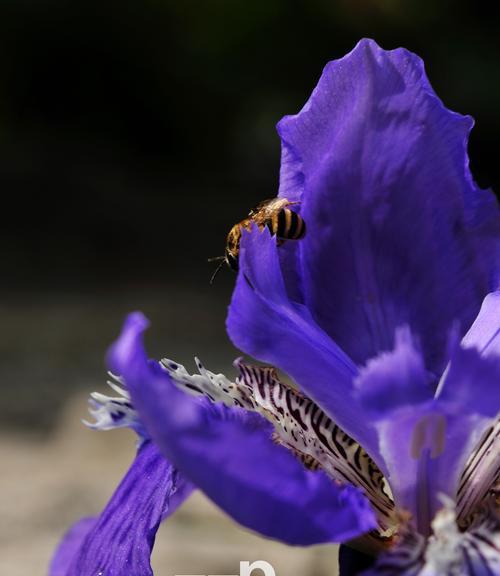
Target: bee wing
[(261, 206)]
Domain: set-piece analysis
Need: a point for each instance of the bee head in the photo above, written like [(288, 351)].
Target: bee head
[(232, 260)]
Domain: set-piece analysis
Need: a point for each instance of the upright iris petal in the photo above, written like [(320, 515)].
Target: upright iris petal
[(393, 216)]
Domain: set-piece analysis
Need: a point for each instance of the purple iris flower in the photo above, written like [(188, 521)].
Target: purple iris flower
[(385, 317)]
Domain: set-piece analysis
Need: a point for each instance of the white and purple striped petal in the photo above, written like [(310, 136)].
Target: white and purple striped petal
[(231, 455)]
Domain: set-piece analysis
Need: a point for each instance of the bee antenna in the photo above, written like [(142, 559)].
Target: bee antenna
[(216, 258), (222, 259)]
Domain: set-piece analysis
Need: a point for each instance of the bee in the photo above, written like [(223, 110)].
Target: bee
[(276, 215)]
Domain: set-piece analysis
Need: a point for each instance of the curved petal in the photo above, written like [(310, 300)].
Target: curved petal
[(230, 455), (394, 219), (264, 323), (484, 334), (120, 541), (471, 384), (396, 379), (483, 224), (470, 396), (426, 441), (394, 389)]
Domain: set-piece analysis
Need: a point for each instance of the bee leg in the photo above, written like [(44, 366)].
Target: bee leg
[(247, 279), (223, 261)]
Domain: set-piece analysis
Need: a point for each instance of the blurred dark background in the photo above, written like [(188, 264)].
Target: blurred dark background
[(133, 134)]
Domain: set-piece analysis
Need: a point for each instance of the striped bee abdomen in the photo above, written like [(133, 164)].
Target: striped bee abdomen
[(272, 214), (287, 224)]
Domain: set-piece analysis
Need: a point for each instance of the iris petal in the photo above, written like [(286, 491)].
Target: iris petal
[(426, 441), (394, 389), (470, 396), (393, 216), (266, 324), (120, 541), (471, 384), (229, 454)]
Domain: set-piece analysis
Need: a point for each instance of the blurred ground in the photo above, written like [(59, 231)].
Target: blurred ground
[(54, 470)]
